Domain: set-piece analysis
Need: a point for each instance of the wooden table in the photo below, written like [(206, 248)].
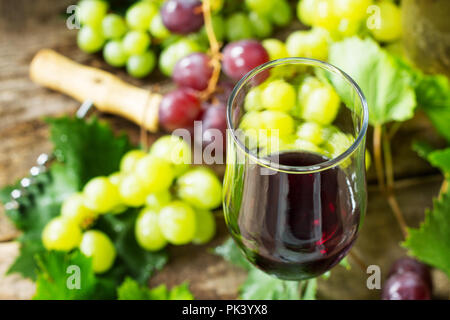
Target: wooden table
[(27, 26)]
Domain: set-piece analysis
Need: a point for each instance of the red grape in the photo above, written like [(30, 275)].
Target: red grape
[(405, 286), (242, 56), (182, 16), (193, 71), (214, 117), (179, 109), (412, 265)]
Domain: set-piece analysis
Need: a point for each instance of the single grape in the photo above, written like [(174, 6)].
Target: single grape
[(140, 14), (325, 16), (132, 191), (114, 54), (348, 28), (141, 65), (353, 10), (405, 286), (201, 188), (308, 44), (278, 95), (338, 143), (238, 27), (320, 104), (158, 200), (276, 120), (113, 26), (155, 174), (242, 56), (389, 23), (306, 10), (100, 195), (193, 71), (205, 227), (411, 265), (281, 13), (251, 120), (308, 84), (310, 131), (214, 126), (157, 28), (252, 100), (91, 12), (136, 42), (179, 109), (97, 245), (261, 6), (89, 39), (174, 150), (147, 231), (275, 48), (261, 26), (182, 16), (174, 52), (130, 159), (115, 178), (61, 234), (177, 222), (74, 210)]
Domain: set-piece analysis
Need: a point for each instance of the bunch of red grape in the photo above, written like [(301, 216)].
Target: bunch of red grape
[(408, 280)]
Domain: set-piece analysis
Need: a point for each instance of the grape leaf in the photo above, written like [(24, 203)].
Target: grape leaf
[(430, 243), (131, 290), (441, 160), (231, 252), (386, 85), (309, 289), (132, 259)]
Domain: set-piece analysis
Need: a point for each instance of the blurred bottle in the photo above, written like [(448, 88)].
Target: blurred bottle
[(426, 34)]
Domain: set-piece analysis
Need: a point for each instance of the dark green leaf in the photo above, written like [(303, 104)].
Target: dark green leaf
[(231, 252), (441, 160), (131, 290)]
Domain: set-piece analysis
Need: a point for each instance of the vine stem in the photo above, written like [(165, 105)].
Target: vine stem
[(353, 255), (390, 185), (377, 156), (214, 52)]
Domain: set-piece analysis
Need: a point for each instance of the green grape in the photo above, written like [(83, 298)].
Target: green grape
[(272, 144), (252, 100), (140, 14), (304, 145), (147, 232), (141, 65), (261, 26), (216, 5), (325, 16), (337, 143), (348, 28), (310, 131), (353, 10), (275, 48), (97, 245), (89, 39), (130, 159), (201, 188), (238, 27), (218, 24), (306, 10), (174, 52), (277, 120), (158, 200), (61, 234), (309, 44), (177, 222), (281, 13), (251, 120), (155, 174), (113, 26), (175, 150), (309, 84), (74, 210), (390, 22), (114, 54), (100, 195), (278, 95), (136, 42), (321, 105), (115, 178), (205, 227), (261, 6), (91, 12), (157, 28), (131, 191)]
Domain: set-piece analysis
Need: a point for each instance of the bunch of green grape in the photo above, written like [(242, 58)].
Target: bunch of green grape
[(280, 116), (175, 201), (133, 41)]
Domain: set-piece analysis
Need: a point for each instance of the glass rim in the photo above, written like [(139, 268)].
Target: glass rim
[(299, 169)]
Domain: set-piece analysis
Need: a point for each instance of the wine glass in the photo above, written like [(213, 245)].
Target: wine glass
[(295, 186)]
